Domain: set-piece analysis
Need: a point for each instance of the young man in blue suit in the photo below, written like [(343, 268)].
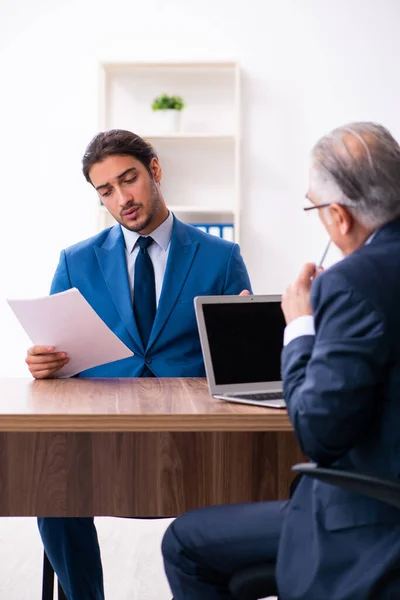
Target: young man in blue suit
[(341, 374), (141, 277)]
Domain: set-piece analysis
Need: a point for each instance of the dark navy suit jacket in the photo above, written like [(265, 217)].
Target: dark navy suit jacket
[(198, 264), (342, 389)]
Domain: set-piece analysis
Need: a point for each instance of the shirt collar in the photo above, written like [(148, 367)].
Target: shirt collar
[(161, 235), (371, 237)]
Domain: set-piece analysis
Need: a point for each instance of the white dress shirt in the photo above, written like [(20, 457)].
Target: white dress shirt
[(158, 252), (305, 325)]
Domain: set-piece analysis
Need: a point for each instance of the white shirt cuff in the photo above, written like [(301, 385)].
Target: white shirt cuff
[(298, 327)]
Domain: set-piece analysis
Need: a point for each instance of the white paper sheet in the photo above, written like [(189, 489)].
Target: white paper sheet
[(68, 322)]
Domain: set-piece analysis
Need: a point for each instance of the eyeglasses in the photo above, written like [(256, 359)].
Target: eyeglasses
[(307, 208)]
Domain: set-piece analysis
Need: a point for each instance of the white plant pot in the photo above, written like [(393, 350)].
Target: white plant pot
[(169, 120)]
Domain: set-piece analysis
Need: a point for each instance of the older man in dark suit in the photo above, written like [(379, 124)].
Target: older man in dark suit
[(341, 372)]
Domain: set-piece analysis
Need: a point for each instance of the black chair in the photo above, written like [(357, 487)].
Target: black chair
[(258, 581), (385, 490), (252, 583), (48, 582)]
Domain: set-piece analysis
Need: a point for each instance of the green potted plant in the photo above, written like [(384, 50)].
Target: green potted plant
[(168, 109)]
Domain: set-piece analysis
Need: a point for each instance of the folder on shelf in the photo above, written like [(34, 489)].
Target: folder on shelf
[(227, 232), (215, 230), (222, 230)]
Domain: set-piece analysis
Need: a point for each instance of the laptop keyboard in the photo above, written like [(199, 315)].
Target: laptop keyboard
[(261, 396)]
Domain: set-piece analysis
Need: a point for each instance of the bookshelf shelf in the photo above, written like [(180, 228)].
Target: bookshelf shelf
[(190, 136), (200, 209)]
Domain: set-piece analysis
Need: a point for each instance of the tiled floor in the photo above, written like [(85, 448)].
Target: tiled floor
[(131, 559)]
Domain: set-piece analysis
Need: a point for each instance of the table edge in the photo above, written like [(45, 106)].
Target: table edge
[(143, 423)]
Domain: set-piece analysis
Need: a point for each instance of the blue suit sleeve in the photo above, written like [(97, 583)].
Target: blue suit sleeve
[(332, 381), (61, 281), (237, 278)]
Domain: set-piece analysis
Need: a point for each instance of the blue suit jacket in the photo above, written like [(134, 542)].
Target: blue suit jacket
[(198, 264), (342, 389)]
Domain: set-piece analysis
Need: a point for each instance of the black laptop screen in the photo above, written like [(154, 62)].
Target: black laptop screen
[(245, 341)]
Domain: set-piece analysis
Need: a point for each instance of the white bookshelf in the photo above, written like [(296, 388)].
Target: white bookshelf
[(201, 163)]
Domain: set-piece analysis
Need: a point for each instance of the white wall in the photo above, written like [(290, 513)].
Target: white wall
[(308, 65)]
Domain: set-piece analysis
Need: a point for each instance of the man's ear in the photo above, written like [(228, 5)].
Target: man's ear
[(156, 169), (341, 218)]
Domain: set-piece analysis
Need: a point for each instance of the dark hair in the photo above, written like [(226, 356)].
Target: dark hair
[(117, 142)]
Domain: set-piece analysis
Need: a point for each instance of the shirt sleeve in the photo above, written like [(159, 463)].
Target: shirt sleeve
[(298, 327)]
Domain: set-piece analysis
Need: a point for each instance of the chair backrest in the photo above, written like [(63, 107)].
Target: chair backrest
[(386, 490)]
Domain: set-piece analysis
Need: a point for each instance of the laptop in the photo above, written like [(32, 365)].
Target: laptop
[(241, 339)]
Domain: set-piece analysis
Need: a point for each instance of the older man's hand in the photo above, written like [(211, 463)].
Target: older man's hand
[(296, 299)]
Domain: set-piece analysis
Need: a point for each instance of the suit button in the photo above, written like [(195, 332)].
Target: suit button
[(148, 360)]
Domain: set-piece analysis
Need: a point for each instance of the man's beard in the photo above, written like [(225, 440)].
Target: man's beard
[(154, 206)]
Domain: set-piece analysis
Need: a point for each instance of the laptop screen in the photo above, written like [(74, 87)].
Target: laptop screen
[(245, 341)]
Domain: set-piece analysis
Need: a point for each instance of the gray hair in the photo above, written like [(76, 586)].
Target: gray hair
[(358, 166)]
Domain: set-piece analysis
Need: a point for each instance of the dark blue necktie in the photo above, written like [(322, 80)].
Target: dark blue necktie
[(144, 290)]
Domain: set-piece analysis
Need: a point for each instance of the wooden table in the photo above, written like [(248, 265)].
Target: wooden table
[(135, 447)]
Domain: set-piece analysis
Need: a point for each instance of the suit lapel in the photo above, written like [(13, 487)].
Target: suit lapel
[(180, 259), (112, 262)]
